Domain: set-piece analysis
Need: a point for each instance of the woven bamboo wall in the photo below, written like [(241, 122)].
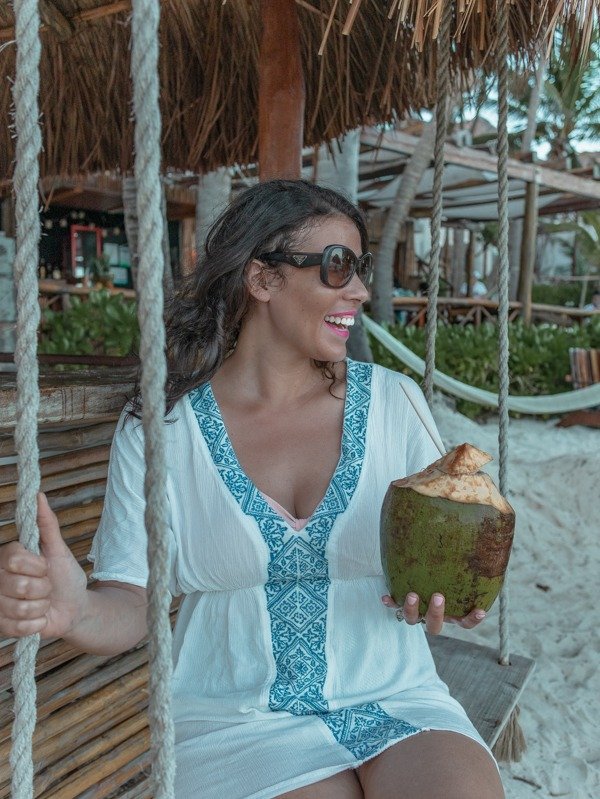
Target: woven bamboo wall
[(92, 735)]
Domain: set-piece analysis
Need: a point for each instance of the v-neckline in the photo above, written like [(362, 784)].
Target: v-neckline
[(225, 436), (342, 484)]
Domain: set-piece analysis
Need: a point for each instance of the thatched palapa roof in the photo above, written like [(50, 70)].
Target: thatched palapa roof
[(377, 61)]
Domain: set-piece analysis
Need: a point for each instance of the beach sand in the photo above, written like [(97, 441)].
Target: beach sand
[(554, 576)]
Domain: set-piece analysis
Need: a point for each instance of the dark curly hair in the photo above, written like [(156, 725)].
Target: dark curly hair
[(204, 314)]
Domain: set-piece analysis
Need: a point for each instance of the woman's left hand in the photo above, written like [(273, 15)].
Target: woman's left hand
[(434, 618)]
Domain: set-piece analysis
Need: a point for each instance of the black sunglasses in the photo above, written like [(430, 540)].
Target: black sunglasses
[(338, 264)]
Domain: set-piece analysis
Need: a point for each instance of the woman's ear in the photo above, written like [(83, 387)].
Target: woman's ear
[(257, 281)]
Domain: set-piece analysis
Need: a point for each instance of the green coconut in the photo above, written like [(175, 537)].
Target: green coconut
[(447, 530)]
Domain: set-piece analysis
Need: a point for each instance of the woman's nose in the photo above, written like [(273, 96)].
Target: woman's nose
[(356, 290)]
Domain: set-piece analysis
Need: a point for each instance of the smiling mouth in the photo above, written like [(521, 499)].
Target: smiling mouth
[(343, 322)]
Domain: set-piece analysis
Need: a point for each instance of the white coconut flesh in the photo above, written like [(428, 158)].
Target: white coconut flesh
[(457, 476)]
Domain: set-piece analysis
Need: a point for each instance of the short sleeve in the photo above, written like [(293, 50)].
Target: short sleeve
[(119, 548)]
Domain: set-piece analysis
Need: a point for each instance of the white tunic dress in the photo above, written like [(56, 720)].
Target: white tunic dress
[(287, 666)]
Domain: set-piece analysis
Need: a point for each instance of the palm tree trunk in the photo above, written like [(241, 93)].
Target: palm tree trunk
[(213, 194), (383, 284), (515, 230)]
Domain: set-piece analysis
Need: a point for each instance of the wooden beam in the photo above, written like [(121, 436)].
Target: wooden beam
[(528, 240), (398, 142), (281, 93)]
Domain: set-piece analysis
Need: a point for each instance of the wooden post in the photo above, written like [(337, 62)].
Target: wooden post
[(530, 222), (281, 93), (470, 263)]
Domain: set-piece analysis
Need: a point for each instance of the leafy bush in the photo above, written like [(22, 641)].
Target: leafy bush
[(566, 294), (104, 324), (538, 360)]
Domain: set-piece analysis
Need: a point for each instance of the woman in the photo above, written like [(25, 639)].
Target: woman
[(291, 678)]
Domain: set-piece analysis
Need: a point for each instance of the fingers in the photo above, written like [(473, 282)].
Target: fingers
[(24, 587), (15, 559), (51, 540), (469, 621), (434, 618)]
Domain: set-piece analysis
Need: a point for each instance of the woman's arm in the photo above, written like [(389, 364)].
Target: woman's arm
[(48, 594)]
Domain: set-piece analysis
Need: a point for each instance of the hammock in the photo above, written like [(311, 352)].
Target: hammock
[(550, 403)]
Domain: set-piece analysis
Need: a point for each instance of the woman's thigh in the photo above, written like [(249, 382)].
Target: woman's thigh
[(432, 765), (344, 785)]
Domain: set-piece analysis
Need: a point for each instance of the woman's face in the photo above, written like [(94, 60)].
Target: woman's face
[(303, 311)]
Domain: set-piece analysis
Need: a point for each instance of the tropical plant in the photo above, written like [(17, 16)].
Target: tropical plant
[(103, 324), (585, 247), (539, 356)]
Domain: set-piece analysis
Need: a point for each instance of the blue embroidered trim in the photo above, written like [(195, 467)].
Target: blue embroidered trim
[(365, 730), (298, 576)]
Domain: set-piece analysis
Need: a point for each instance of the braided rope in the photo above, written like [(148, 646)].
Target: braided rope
[(144, 70), (503, 300), (28, 147), (441, 126)]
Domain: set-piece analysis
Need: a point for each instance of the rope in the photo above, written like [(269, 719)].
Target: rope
[(550, 403), (144, 70), (441, 126), (28, 147), (503, 299)]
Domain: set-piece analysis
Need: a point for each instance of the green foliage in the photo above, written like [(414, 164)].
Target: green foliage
[(100, 271), (104, 324), (566, 294), (539, 356)]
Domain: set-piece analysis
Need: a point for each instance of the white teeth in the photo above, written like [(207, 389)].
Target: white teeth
[(346, 321)]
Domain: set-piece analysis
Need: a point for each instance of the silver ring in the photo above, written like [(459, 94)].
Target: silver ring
[(400, 614)]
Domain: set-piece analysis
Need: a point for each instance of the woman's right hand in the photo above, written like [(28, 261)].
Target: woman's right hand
[(42, 593)]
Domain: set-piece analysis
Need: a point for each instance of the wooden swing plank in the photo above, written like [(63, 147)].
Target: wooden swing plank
[(487, 690)]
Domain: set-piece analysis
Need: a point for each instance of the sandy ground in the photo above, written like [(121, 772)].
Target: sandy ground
[(554, 487)]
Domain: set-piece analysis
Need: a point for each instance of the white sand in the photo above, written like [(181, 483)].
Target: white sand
[(554, 487)]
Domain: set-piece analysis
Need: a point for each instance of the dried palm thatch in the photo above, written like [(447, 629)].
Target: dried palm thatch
[(377, 61)]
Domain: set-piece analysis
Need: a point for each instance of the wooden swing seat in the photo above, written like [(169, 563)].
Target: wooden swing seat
[(92, 739), (488, 691)]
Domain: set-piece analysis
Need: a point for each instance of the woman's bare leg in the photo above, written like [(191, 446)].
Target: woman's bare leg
[(432, 765), (344, 785)]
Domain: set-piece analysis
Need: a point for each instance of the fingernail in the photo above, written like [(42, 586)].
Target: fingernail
[(480, 614), (385, 600), (411, 599), (438, 600)]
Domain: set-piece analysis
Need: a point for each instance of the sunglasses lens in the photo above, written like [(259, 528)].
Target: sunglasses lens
[(341, 265), (365, 269)]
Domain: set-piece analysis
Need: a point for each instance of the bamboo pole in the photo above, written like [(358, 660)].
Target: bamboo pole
[(281, 92), (54, 482), (113, 768), (108, 786), (62, 498), (85, 757), (53, 749), (58, 464), (76, 438)]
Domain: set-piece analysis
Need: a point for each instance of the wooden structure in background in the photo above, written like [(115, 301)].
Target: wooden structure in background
[(475, 310)]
